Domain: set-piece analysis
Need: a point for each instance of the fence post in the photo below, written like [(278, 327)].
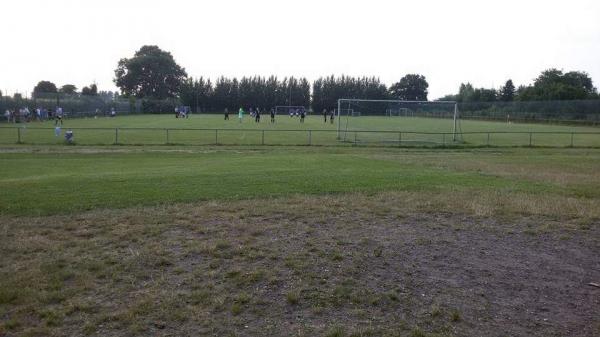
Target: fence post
[(263, 137), (216, 136), (355, 138), (116, 135), (167, 130), (488, 139), (18, 135), (530, 142), (571, 139), (309, 137)]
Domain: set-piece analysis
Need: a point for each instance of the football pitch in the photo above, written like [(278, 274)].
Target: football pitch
[(210, 129), (324, 241)]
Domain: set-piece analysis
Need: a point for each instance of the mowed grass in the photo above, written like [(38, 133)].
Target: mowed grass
[(289, 131), (71, 179)]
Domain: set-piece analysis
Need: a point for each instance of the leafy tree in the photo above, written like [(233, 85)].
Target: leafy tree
[(151, 72), (507, 92), (68, 89), (92, 90), (411, 87), (466, 93), (553, 84), (44, 87)]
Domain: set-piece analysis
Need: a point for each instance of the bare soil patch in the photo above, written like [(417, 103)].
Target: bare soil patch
[(306, 266)]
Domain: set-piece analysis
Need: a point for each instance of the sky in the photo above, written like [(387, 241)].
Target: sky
[(484, 42)]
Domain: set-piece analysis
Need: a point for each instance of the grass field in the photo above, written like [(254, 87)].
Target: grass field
[(298, 241), (414, 131)]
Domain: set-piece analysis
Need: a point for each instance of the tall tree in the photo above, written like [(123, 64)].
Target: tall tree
[(197, 94), (44, 87), (151, 72), (553, 84), (92, 90), (507, 92), (68, 89), (411, 87)]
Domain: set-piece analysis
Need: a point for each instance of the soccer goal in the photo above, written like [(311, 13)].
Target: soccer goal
[(292, 110), (429, 122), (399, 112)]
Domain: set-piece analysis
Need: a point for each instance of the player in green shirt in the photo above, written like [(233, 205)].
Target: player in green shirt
[(241, 114)]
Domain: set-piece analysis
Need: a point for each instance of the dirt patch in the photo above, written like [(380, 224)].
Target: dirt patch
[(254, 269)]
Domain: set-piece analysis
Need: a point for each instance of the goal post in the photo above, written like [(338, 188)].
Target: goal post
[(433, 117)]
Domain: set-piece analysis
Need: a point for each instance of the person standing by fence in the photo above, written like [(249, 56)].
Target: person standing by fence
[(226, 114)]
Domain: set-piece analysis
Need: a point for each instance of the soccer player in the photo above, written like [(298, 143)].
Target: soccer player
[(241, 114), (58, 118), (324, 116), (302, 115), (257, 115), (69, 136), (113, 113), (226, 114), (331, 116), (272, 115)]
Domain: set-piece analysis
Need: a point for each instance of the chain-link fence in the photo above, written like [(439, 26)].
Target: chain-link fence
[(189, 136), (77, 105), (572, 111)]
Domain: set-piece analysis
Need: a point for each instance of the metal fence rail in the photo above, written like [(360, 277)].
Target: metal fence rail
[(205, 136)]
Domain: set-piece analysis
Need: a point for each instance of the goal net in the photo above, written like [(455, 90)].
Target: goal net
[(291, 110), (413, 122)]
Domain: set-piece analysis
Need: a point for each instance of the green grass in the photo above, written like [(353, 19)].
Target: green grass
[(250, 133), (63, 181), (342, 240)]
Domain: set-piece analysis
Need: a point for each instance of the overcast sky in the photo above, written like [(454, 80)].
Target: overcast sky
[(482, 42)]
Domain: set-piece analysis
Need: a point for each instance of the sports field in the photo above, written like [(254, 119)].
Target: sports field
[(391, 131), (297, 241)]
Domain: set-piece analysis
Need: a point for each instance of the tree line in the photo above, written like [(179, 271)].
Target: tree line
[(551, 85), (153, 76)]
